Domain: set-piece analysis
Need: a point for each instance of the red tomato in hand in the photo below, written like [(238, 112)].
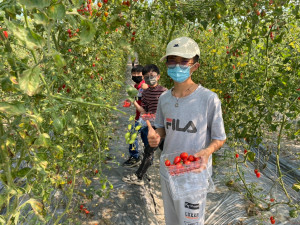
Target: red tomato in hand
[(184, 156), (177, 159), (187, 162), (191, 158)]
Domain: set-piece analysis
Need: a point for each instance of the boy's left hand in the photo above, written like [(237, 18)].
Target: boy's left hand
[(204, 156)]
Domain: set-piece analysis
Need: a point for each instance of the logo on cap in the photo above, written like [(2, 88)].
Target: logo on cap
[(176, 45)]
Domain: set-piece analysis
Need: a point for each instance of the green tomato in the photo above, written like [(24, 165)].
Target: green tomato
[(127, 135), (293, 213), (138, 127), (133, 136), (129, 127)]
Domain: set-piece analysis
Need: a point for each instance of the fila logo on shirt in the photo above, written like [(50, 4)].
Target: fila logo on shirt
[(174, 124), (191, 206)]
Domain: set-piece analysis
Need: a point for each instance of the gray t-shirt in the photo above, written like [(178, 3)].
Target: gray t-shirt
[(192, 125)]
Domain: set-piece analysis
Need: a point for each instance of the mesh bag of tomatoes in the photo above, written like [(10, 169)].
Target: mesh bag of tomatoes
[(182, 163)]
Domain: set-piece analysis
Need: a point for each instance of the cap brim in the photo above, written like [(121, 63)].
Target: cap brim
[(187, 56)]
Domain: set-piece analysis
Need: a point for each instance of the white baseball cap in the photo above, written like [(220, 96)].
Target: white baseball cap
[(184, 47)]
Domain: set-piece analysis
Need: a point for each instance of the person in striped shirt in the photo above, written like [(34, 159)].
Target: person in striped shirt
[(148, 105)]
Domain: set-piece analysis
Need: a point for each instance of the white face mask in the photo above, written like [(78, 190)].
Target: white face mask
[(150, 80)]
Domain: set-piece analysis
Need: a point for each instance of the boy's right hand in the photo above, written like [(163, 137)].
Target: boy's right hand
[(153, 137)]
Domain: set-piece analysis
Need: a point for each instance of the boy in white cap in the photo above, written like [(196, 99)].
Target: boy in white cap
[(189, 118)]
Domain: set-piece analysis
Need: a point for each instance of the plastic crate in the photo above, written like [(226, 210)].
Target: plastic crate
[(186, 180)]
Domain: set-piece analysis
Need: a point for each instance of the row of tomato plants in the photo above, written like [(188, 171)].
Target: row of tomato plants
[(61, 77)]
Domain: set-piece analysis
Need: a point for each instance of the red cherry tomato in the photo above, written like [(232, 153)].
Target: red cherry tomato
[(258, 174), (191, 158), (187, 162), (167, 162), (184, 156), (177, 159)]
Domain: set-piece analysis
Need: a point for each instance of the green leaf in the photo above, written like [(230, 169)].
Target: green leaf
[(87, 32), (204, 24), (12, 109), (25, 35), (29, 81), (37, 207), (40, 18), (42, 141), (296, 187), (2, 221), (30, 4), (131, 91), (79, 155), (35, 39), (58, 125), (57, 12), (293, 213), (251, 156), (23, 172), (59, 60), (87, 181), (59, 152)]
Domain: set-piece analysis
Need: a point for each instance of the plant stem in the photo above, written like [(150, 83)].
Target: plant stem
[(277, 159), (70, 198), (88, 103), (97, 139), (26, 22), (243, 180)]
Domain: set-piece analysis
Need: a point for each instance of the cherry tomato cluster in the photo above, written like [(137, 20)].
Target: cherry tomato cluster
[(272, 220), (234, 52), (148, 116), (182, 164), (84, 9), (74, 34), (245, 153), (68, 90), (257, 173), (126, 103), (133, 38), (126, 3), (227, 96), (84, 209)]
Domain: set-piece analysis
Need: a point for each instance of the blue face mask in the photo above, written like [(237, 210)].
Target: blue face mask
[(178, 73)]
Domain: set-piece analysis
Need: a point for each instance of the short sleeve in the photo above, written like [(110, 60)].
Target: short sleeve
[(215, 119), (159, 119)]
